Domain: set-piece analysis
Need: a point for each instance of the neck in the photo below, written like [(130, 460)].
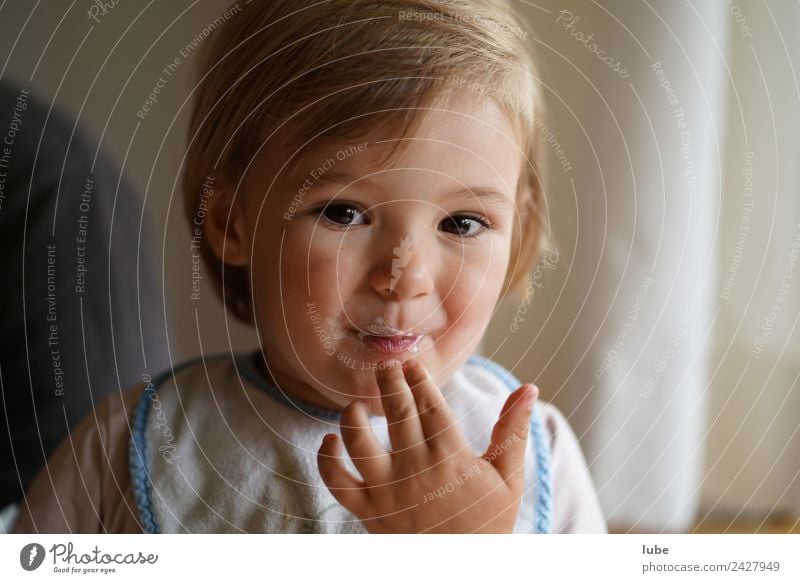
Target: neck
[(296, 390)]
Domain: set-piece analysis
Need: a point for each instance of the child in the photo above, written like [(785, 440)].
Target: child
[(364, 180)]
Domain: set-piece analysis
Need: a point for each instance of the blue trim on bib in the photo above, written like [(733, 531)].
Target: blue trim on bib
[(140, 475), (544, 494)]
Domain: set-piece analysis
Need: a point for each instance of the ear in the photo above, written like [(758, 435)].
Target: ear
[(226, 229)]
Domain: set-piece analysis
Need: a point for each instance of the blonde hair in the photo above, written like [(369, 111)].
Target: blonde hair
[(343, 68)]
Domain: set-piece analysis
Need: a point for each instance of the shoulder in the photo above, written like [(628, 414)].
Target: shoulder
[(86, 478), (557, 427), (115, 415), (576, 508)]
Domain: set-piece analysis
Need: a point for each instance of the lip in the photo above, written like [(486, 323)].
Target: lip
[(395, 344), (383, 330)]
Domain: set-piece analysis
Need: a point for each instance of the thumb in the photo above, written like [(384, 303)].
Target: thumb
[(506, 450)]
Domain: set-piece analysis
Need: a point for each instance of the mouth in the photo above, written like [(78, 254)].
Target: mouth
[(382, 339), (385, 340), (396, 344)]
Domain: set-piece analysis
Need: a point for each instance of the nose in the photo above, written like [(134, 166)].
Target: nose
[(402, 271)]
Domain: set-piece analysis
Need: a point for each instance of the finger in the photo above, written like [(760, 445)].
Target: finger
[(506, 451), (402, 418), (348, 491), (368, 455), (438, 423)]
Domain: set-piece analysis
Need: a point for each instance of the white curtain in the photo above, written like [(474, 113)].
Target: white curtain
[(753, 458), (628, 331)]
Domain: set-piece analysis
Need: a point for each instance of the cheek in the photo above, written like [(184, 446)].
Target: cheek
[(304, 261), (279, 273), (331, 272), (476, 271), (474, 286), (317, 271), (469, 302), (295, 282)]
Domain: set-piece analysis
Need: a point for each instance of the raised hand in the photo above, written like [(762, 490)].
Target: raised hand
[(430, 481)]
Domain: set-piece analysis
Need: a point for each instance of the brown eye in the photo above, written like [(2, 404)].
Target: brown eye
[(465, 225), (342, 214)]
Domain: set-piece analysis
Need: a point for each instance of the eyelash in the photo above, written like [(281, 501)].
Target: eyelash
[(480, 219)]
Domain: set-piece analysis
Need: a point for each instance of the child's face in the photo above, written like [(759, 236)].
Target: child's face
[(330, 286)]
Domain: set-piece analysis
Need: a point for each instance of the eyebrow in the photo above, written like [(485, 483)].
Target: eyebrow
[(486, 194)]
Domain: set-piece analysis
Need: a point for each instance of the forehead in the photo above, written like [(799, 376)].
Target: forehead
[(464, 139)]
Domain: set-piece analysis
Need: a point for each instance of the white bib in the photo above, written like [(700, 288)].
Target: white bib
[(217, 449)]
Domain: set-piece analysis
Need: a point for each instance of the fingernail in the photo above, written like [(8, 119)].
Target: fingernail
[(530, 397), (392, 362)]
